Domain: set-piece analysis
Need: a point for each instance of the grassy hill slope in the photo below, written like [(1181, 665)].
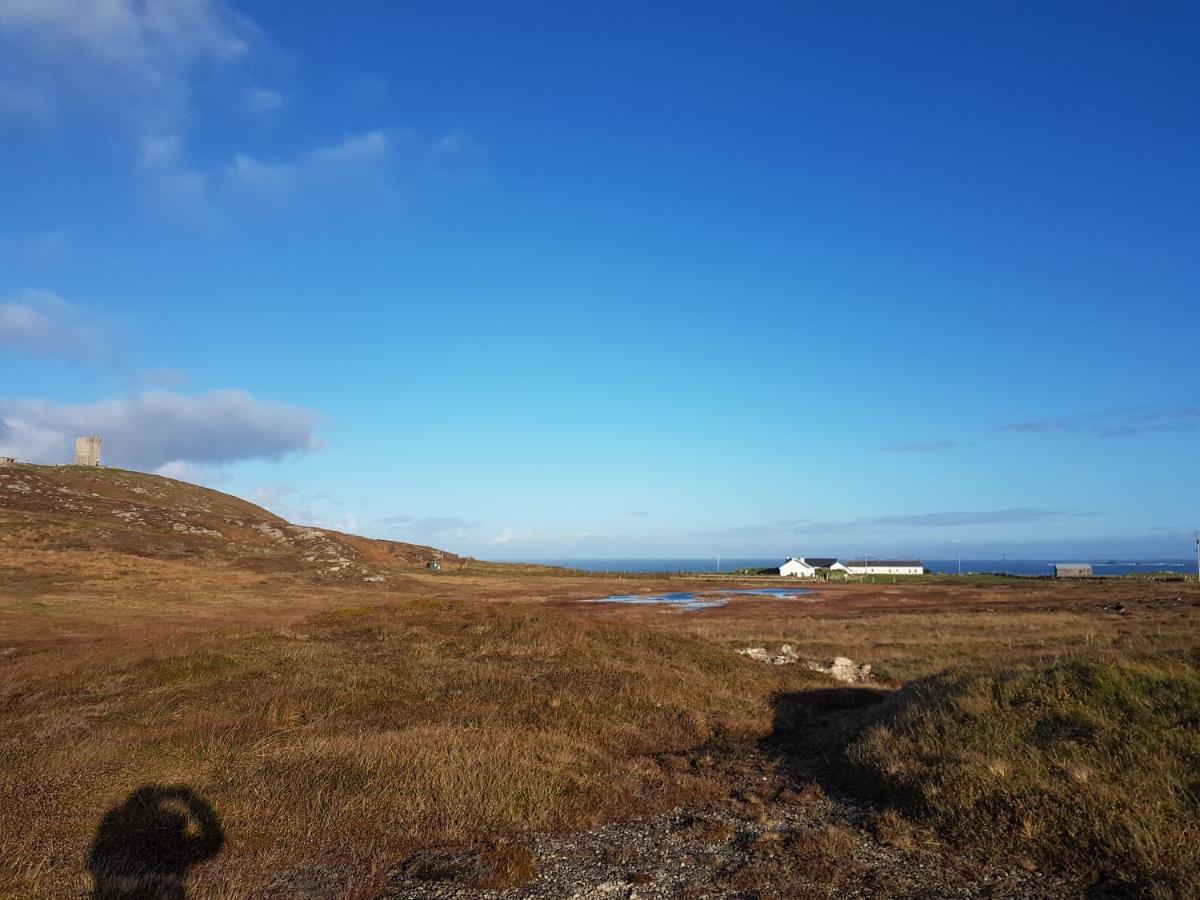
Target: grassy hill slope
[(87, 516)]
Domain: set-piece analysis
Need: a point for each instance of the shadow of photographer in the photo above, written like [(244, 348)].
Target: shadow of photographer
[(144, 847)]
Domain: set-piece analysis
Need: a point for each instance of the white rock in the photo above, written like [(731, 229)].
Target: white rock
[(842, 668)]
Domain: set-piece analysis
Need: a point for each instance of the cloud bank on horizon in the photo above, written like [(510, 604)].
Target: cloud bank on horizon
[(157, 428)]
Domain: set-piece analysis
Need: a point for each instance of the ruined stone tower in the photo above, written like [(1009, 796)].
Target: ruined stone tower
[(87, 450)]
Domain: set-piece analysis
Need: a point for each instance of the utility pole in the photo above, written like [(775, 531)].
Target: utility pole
[(1198, 556)]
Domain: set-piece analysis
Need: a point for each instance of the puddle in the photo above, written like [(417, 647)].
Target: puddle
[(778, 593), (702, 600)]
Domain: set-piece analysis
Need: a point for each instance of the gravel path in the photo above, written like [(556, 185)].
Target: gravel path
[(802, 848)]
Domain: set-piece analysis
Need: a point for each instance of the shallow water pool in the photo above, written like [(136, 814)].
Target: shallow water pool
[(701, 600)]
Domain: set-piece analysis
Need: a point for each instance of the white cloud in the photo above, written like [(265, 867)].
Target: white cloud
[(355, 160), (169, 176), (181, 470), (128, 32), (40, 321), (286, 502), (261, 176), (428, 527), (162, 150), (126, 56), (455, 146), (260, 100), (353, 149), (354, 154), (270, 495), (510, 535), (347, 522), (138, 63), (158, 428)]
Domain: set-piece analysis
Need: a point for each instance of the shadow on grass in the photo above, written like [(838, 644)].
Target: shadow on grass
[(144, 847), (812, 729)]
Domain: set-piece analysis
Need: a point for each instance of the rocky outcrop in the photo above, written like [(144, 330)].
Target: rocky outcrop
[(840, 667)]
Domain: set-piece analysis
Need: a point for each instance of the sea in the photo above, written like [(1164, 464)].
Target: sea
[(939, 566)]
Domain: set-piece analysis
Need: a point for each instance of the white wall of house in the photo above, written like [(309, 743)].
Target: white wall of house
[(860, 569), (797, 569)]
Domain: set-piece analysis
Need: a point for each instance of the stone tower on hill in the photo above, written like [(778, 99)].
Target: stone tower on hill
[(87, 450)]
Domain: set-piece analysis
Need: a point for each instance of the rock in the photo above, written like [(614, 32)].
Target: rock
[(758, 653), (840, 667), (843, 669), (786, 655)]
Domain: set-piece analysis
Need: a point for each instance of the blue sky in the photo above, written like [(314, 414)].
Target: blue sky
[(620, 279)]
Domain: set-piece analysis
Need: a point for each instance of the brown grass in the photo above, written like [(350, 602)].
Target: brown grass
[(422, 721), (710, 830), (1092, 766)]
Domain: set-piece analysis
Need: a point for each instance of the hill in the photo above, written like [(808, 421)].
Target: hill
[(90, 518)]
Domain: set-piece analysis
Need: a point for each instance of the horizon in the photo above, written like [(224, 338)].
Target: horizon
[(544, 283), (915, 557)]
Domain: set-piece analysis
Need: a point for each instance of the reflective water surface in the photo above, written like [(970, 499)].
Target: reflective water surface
[(701, 599)]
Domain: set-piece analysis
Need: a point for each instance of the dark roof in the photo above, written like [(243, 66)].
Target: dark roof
[(820, 562), (882, 562)]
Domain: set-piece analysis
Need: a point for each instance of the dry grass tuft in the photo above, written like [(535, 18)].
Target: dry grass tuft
[(710, 830), (505, 866), (824, 855), (892, 829), (1098, 774)]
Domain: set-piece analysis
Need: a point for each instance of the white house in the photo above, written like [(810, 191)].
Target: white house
[(885, 567), (805, 567), (797, 568)]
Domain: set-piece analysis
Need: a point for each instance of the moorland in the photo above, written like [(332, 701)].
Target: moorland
[(197, 696)]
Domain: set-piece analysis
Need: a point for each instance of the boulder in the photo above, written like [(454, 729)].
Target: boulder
[(842, 668)]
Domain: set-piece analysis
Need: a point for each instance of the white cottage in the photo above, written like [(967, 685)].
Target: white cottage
[(797, 568), (806, 567)]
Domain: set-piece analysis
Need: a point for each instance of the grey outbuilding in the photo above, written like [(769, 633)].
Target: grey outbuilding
[(1073, 570)]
